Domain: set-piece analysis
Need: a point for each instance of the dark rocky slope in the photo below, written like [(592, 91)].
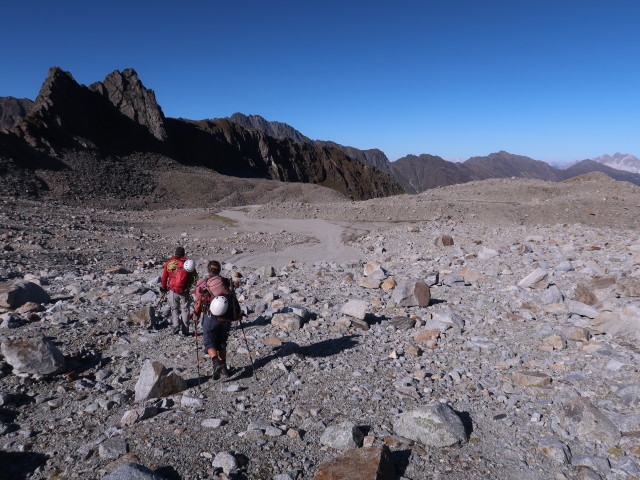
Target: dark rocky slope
[(117, 129), (11, 110)]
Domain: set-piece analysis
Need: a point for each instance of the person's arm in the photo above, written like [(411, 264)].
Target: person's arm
[(165, 278)]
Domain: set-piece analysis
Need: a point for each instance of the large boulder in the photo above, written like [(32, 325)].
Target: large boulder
[(342, 436), (33, 356), (411, 294), (433, 425), (584, 420), (133, 471), (370, 463), (287, 321), (355, 309), (17, 293), (157, 381)]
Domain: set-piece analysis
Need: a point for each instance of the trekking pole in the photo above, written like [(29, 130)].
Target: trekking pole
[(253, 368)]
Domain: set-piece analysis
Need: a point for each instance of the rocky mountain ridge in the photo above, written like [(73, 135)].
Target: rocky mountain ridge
[(120, 119)]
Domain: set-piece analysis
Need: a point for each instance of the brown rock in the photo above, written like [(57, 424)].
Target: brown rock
[(272, 342), (370, 463), (388, 284), (526, 378), (116, 270), (424, 336), (629, 287), (369, 282), (443, 241), (585, 295), (555, 341)]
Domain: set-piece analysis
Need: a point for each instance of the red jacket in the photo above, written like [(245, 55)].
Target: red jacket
[(165, 272)]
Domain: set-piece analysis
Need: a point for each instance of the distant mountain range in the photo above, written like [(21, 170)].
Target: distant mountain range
[(113, 135), (419, 173)]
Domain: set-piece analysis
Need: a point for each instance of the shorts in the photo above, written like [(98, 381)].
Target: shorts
[(215, 332)]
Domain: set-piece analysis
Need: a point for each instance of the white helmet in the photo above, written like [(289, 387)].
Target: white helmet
[(189, 266), (219, 306)]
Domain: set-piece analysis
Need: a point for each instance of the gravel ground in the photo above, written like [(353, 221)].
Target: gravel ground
[(468, 348)]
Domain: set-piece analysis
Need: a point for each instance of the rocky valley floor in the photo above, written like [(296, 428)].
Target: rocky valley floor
[(530, 336)]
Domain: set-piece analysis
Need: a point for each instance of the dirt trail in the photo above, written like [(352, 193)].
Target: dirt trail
[(327, 245)]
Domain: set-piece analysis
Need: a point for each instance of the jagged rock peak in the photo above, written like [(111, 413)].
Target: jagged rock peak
[(127, 93), (58, 82)]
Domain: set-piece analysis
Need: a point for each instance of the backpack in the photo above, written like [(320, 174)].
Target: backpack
[(179, 280), (218, 286)]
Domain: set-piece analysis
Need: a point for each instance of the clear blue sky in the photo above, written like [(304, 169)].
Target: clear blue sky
[(550, 79)]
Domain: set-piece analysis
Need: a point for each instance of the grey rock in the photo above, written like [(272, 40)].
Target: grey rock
[(555, 450), (583, 419), (599, 464), (551, 295), (37, 356), (630, 394), (157, 381), (581, 309), (265, 272), (355, 309), (342, 436), (131, 417), (287, 321), (538, 275), (113, 448), (226, 461), (434, 425), (133, 471)]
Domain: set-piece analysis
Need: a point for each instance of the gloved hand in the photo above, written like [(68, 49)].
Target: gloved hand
[(163, 290)]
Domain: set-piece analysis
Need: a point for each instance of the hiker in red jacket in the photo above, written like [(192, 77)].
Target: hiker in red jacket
[(178, 275)]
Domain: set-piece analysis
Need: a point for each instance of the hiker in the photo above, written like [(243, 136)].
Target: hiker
[(178, 276), (215, 297)]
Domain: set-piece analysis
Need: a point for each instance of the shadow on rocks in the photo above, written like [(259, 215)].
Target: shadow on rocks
[(20, 465), (259, 321), (325, 348), (466, 422), (168, 472), (400, 461), (436, 301)]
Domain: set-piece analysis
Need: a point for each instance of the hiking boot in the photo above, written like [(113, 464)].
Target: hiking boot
[(217, 368), (224, 371), (184, 333), (175, 330)]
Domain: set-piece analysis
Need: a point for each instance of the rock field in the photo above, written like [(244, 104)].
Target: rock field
[(482, 331)]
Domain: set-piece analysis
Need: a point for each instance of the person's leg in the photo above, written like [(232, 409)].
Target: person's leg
[(173, 303), (211, 346), (222, 353), (184, 312)]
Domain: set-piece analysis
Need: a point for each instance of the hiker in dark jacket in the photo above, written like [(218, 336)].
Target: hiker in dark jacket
[(177, 287), (223, 309)]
